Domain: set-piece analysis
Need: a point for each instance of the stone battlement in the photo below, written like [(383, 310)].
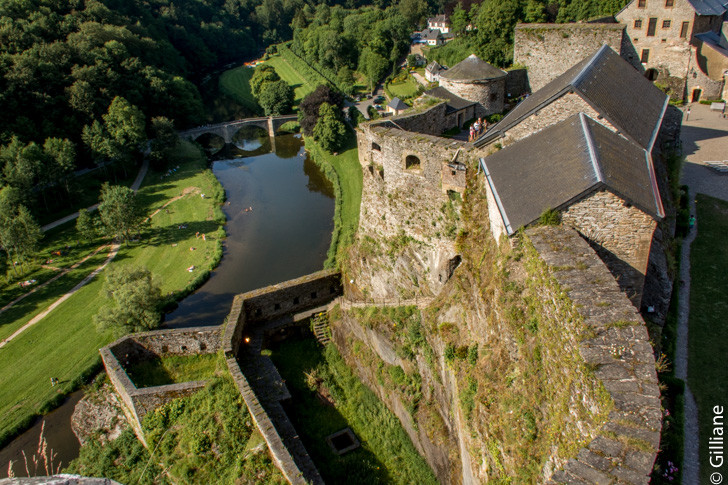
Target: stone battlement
[(136, 402)]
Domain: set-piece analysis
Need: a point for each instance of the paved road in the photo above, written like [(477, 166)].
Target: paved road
[(134, 186), (704, 138)]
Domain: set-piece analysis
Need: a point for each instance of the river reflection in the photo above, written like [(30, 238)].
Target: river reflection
[(285, 235)]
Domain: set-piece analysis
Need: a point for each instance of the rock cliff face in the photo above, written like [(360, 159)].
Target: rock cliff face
[(502, 374)]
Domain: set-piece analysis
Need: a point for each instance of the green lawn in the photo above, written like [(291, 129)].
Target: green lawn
[(301, 86), (708, 327), (172, 369), (348, 172), (65, 344), (236, 84), (404, 89), (386, 454)]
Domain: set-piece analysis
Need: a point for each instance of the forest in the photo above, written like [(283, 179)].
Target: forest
[(87, 82)]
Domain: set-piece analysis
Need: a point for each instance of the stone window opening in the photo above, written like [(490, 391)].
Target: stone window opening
[(641, 3), (669, 3), (313, 295), (277, 306), (638, 24), (684, 30), (652, 74), (652, 27), (412, 162), (645, 57), (376, 147), (203, 346), (296, 301), (258, 312), (493, 96), (666, 24)]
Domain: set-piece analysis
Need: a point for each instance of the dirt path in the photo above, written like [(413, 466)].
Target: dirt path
[(112, 253), (691, 460), (114, 249), (134, 186)]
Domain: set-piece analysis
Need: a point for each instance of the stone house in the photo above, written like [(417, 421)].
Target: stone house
[(432, 71), (603, 184), (432, 37), (603, 86), (475, 80), (440, 22), (663, 35), (396, 106)]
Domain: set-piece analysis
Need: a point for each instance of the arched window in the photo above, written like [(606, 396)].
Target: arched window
[(376, 147), (411, 162), (652, 74)]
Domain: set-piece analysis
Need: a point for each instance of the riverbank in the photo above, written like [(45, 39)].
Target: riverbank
[(344, 172), (65, 344)]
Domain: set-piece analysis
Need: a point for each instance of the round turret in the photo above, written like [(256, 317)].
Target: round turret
[(476, 80)]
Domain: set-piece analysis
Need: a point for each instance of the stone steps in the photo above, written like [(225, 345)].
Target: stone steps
[(718, 166), (322, 332)]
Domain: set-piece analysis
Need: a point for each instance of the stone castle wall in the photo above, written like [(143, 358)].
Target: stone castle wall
[(559, 110), (253, 309), (517, 82), (490, 94), (622, 236), (548, 50), (622, 449), (137, 403)]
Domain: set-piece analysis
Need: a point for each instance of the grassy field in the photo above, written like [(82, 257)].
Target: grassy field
[(708, 327), (348, 178), (172, 369), (236, 84), (301, 86), (65, 344), (404, 89), (386, 454)]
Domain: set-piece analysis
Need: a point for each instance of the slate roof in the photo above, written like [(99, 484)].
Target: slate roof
[(608, 83), (438, 18), (454, 102), (433, 67), (565, 163), (712, 39), (472, 68), (709, 7), (428, 34), (397, 104)]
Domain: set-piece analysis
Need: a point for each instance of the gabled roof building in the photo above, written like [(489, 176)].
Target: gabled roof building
[(603, 86)]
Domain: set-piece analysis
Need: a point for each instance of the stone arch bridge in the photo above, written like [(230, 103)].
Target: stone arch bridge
[(227, 130)]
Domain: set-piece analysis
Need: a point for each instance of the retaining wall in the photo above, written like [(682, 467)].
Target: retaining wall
[(136, 402), (257, 307)]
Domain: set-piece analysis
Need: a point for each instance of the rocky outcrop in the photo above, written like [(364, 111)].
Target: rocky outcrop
[(98, 416)]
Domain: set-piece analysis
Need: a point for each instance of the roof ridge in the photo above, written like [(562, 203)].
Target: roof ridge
[(588, 65), (592, 150)]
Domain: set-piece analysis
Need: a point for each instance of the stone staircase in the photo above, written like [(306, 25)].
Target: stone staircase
[(322, 331)]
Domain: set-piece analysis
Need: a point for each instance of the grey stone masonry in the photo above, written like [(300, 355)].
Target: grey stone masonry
[(620, 352), (252, 315), (548, 50), (137, 403)]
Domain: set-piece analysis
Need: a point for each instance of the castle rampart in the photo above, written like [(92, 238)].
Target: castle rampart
[(548, 50)]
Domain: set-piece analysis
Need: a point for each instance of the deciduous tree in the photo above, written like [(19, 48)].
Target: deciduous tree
[(120, 211), (308, 110), (135, 301), (329, 131), (20, 235), (276, 98)]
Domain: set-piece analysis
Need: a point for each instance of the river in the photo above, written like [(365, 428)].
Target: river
[(285, 235)]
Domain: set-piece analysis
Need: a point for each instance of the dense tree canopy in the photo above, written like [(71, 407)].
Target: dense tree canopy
[(120, 211), (330, 131), (493, 22), (135, 301), (309, 109)]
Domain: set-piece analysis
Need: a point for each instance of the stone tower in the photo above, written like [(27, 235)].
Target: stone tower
[(476, 80)]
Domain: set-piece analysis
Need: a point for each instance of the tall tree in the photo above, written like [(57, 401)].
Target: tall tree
[(263, 74), (308, 110), (330, 131), (135, 301), (373, 66), (120, 211), (20, 235), (276, 98)]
